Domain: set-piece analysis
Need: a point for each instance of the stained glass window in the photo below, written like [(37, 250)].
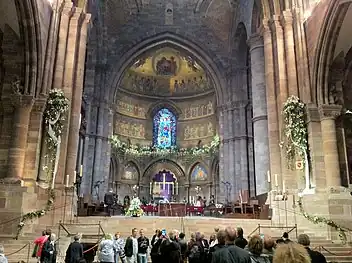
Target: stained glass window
[(164, 129)]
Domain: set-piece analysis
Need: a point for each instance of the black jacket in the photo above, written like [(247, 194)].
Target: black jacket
[(170, 251), (49, 253), (74, 253), (241, 242), (315, 256), (230, 254), (143, 244), (129, 247)]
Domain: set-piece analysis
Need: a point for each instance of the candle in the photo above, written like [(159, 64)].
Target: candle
[(150, 188), (67, 180), (283, 186), (177, 188), (81, 171), (74, 177), (269, 179), (276, 182)]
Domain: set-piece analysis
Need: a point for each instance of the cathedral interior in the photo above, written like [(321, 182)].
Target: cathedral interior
[(178, 99)]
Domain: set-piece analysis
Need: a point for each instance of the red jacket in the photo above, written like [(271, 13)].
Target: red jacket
[(40, 243)]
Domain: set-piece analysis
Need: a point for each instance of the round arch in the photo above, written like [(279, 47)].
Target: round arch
[(164, 104), (201, 163), (325, 49), (177, 42), (163, 164)]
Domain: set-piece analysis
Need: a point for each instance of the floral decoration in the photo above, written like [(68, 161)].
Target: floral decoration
[(55, 114), (321, 220), (153, 151), (135, 208), (295, 131), (36, 214)]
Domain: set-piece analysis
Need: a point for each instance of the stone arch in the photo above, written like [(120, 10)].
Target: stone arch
[(161, 164), (28, 17), (198, 162), (135, 165), (257, 17), (164, 104), (325, 49), (174, 41)]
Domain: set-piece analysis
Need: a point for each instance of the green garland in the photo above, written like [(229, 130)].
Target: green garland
[(295, 131), (321, 220), (36, 214), (56, 107), (152, 151)]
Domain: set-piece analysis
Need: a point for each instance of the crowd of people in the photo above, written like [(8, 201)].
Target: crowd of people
[(224, 246)]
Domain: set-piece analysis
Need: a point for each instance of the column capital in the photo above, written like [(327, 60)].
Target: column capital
[(313, 114), (287, 17), (39, 104), (329, 111), (255, 41)]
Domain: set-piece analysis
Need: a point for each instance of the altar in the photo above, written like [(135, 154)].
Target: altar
[(172, 209)]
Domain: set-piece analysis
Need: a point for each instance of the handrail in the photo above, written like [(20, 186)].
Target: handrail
[(101, 228), (64, 228), (290, 229)]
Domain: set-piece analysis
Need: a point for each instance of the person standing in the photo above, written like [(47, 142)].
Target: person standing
[(49, 250), (38, 245), (143, 244), (131, 247), (74, 252), (315, 256), (107, 250), (3, 259), (119, 248)]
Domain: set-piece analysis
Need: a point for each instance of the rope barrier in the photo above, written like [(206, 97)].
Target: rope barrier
[(331, 253), (89, 249), (18, 250)]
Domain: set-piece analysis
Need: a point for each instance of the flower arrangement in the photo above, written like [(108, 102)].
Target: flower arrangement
[(55, 114), (321, 220), (135, 209), (36, 214), (295, 131), (153, 151)]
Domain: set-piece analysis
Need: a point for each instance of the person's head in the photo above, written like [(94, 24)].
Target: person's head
[(108, 237), (48, 232), (256, 245), (117, 235), (52, 237), (181, 235), (193, 236), (230, 235), (157, 231), (291, 253), (198, 236), (304, 240), (77, 237), (172, 235), (2, 251), (221, 237), (202, 235), (212, 237), (134, 232), (141, 232), (44, 233), (269, 243), (239, 232), (285, 235), (216, 229)]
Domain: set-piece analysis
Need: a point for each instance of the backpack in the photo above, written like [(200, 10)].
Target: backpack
[(194, 252)]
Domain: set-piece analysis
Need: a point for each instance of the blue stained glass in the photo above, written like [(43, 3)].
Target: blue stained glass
[(164, 129)]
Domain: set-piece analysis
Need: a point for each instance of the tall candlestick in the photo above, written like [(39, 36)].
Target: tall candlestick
[(67, 180), (283, 186), (150, 188), (176, 188), (81, 171), (276, 182), (74, 177), (269, 179)]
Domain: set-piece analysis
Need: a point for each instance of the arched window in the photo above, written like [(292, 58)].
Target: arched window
[(164, 129)]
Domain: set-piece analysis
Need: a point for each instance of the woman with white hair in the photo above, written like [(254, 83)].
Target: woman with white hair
[(49, 250), (107, 250), (3, 259)]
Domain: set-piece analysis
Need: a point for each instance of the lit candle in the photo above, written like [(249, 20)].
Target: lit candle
[(67, 179), (276, 182), (74, 177), (177, 188), (150, 188), (283, 186), (269, 179), (81, 171)]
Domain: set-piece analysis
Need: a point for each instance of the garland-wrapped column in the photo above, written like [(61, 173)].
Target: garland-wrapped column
[(328, 114), (260, 120), (22, 109)]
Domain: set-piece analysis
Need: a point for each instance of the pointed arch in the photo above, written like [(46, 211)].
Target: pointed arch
[(199, 172), (177, 42)]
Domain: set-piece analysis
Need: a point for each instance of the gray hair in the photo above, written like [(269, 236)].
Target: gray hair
[(2, 249), (77, 237), (52, 237)]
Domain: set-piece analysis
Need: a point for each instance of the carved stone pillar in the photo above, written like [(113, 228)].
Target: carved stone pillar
[(35, 134), (328, 114), (271, 99), (231, 149), (290, 53), (223, 155), (260, 121), (22, 109), (73, 137)]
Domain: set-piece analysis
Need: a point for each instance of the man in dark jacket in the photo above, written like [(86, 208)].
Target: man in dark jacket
[(229, 253), (170, 249), (315, 256), (143, 245), (74, 252)]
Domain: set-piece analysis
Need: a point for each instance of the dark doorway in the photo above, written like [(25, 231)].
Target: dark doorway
[(90, 252)]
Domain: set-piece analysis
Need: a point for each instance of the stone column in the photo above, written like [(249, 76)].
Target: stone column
[(231, 151), (35, 134), (73, 137), (271, 99), (328, 114), (260, 120), (290, 53), (221, 195), (23, 106)]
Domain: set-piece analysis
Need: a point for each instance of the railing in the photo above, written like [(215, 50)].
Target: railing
[(22, 248), (289, 229), (65, 227)]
